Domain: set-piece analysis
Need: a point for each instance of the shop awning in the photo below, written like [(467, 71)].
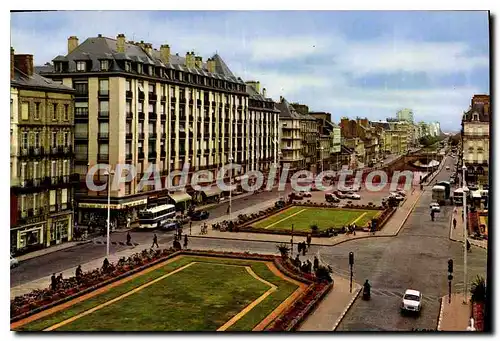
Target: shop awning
[(212, 192), (179, 197)]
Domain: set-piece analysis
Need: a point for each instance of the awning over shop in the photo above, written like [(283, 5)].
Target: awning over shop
[(179, 197), (212, 192)]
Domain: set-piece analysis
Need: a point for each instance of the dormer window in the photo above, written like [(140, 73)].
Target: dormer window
[(81, 66), (150, 70), (139, 68), (475, 117), (127, 66), (58, 66), (104, 65)]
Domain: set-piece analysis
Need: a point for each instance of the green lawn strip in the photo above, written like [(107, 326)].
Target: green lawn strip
[(370, 214), (277, 217), (80, 307), (201, 297), (266, 307), (119, 290)]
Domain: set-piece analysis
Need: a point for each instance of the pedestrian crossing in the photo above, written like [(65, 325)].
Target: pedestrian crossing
[(114, 243), (398, 293)]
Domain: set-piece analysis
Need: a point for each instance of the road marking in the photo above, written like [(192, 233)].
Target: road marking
[(249, 307), (291, 215), (105, 304), (361, 216)]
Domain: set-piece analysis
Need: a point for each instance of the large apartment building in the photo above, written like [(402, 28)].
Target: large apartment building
[(41, 158), (290, 137), (143, 106), (476, 140)]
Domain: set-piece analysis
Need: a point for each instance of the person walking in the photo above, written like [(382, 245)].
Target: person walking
[(432, 215), (316, 263), (185, 241), (128, 222), (53, 282), (468, 246), (129, 238), (309, 239), (304, 248), (155, 241), (454, 223), (78, 272)]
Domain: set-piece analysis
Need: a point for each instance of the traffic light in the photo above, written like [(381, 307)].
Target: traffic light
[(450, 265), (351, 258)]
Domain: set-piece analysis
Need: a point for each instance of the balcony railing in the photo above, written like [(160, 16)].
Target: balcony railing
[(103, 114), (141, 116), (163, 117), (103, 135), (103, 93), (152, 116), (81, 157), (128, 136), (152, 136), (102, 157), (130, 115)]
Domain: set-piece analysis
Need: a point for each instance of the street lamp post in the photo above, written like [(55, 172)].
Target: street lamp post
[(464, 187), (108, 174), (321, 150), (278, 174), (230, 186)]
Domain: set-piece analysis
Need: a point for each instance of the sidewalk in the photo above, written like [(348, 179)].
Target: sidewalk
[(391, 228), (51, 249), (454, 316), (457, 234), (333, 307)]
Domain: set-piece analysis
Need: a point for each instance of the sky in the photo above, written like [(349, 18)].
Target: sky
[(349, 63)]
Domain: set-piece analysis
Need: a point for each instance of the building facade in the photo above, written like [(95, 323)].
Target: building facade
[(405, 115), (147, 107), (290, 136), (41, 159), (476, 140)]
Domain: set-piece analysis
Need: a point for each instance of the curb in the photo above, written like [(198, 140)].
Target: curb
[(52, 251), (346, 310), (461, 241), (333, 244), (440, 318)]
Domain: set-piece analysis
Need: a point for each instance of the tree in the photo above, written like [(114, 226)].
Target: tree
[(478, 290), (284, 250), (314, 228)]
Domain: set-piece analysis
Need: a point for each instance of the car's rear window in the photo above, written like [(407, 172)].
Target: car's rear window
[(411, 297)]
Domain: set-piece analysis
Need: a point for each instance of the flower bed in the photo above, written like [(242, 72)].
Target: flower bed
[(38, 300)]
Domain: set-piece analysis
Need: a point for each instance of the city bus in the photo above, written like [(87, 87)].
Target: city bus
[(156, 217)]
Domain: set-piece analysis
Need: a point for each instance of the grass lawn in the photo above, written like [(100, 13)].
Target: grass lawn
[(200, 297), (303, 217)]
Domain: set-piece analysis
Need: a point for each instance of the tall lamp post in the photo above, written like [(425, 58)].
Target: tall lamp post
[(108, 174), (230, 185), (464, 187), (278, 174), (321, 150)]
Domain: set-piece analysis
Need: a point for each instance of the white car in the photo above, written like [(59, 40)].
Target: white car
[(397, 196), (412, 301), (353, 196), (435, 207), (13, 262), (447, 167)]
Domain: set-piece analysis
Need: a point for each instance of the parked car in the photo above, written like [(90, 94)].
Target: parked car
[(447, 167), (13, 262), (397, 196), (435, 207), (330, 197), (339, 194), (412, 301), (200, 215), (401, 192), (170, 225), (353, 196), (296, 196)]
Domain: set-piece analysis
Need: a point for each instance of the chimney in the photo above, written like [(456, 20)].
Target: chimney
[(198, 62), (281, 99), (148, 48), (12, 73), (24, 63), (190, 63), (211, 65), (72, 44), (120, 43), (165, 53), (264, 92)]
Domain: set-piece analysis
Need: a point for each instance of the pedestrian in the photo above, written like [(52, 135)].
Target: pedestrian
[(454, 223), (129, 238), (185, 241), (78, 272), (316, 263), (59, 280), (227, 211), (299, 247), (128, 222), (304, 248), (468, 246), (53, 282), (432, 215), (155, 241), (309, 239)]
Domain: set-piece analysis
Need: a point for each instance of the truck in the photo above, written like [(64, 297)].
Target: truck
[(447, 186), (439, 194)]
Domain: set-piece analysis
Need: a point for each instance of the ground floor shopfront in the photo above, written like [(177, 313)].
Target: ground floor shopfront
[(40, 232)]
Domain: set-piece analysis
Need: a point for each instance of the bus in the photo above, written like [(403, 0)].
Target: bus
[(156, 217), (438, 194)]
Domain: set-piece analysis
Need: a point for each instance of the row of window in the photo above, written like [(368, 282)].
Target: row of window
[(35, 111), (36, 170), (38, 201), (36, 138)]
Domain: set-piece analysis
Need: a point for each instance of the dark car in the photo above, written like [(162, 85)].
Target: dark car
[(296, 196), (330, 197), (199, 215), (339, 194), (170, 225)]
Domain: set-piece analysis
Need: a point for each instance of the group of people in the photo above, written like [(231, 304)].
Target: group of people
[(303, 247), (56, 282)]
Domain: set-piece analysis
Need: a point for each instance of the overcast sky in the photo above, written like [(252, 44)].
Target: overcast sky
[(367, 64)]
